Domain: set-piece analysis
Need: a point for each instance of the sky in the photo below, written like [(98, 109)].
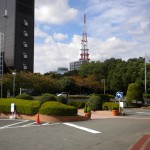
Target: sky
[(115, 28)]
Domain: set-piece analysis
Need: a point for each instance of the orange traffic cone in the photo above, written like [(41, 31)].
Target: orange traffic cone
[(37, 119)]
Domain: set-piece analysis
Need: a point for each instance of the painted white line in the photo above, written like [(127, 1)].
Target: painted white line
[(82, 128), (33, 124), (126, 117), (29, 124), (54, 124), (12, 119), (143, 113), (47, 123), (13, 124)]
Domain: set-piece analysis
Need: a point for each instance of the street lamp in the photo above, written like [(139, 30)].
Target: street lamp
[(1, 60), (14, 77), (103, 81)]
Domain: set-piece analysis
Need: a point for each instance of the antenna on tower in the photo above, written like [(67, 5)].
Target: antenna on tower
[(84, 51)]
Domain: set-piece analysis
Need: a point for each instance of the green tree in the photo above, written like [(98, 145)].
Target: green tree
[(67, 84), (134, 92)]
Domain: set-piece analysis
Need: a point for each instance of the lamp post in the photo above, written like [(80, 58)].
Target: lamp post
[(1, 61), (14, 78), (103, 81)]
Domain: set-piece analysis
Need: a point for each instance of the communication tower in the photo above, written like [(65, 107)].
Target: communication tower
[(84, 51)]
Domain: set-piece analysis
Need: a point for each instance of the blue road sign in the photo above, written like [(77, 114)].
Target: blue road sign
[(119, 94)]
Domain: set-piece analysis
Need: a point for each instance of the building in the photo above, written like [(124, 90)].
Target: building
[(84, 50), (62, 70), (76, 64), (17, 25)]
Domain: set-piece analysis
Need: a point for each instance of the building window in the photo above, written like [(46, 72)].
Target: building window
[(25, 33), (25, 55), (25, 44), (26, 23), (24, 66)]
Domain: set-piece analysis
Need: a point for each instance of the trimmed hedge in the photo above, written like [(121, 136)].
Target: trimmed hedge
[(105, 97), (47, 97), (77, 104), (57, 109), (134, 92), (110, 106), (61, 99), (146, 95), (78, 97), (95, 102), (24, 96), (22, 106)]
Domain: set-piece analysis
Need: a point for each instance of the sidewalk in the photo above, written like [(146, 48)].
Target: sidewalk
[(97, 114)]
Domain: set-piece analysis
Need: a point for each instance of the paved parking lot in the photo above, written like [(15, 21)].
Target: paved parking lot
[(97, 134)]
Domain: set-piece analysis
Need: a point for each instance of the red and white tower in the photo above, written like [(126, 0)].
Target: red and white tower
[(84, 51)]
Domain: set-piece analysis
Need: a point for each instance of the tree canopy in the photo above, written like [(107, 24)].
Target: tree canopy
[(118, 74)]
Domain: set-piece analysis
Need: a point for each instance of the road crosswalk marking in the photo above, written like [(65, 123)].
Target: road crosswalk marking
[(31, 124), (7, 126)]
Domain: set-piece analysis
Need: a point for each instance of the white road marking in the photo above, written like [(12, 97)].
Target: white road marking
[(143, 113), (82, 128), (47, 123), (33, 124), (29, 124), (13, 124)]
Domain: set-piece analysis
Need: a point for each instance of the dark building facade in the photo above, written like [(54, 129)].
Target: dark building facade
[(17, 24)]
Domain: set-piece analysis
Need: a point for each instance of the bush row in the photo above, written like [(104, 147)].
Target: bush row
[(77, 104), (57, 109), (24, 96), (78, 97), (110, 106), (29, 107), (21, 106), (44, 98), (146, 95)]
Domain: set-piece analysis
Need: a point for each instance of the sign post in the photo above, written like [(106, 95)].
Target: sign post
[(119, 95), (13, 111)]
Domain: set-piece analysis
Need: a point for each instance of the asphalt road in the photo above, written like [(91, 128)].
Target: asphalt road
[(102, 134)]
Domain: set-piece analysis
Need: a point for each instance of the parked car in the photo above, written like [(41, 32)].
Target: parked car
[(63, 94)]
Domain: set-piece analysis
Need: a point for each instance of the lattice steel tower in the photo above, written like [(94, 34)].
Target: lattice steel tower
[(84, 51)]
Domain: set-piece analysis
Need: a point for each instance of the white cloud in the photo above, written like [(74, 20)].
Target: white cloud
[(117, 29), (60, 36), (57, 55), (46, 27), (39, 33), (48, 57), (118, 18), (54, 11)]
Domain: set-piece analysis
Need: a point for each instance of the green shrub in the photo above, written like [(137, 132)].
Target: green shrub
[(62, 99), (134, 92), (77, 104), (47, 97), (146, 95), (57, 109), (95, 102), (110, 106), (24, 96), (78, 97), (22, 106), (105, 97), (87, 109)]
